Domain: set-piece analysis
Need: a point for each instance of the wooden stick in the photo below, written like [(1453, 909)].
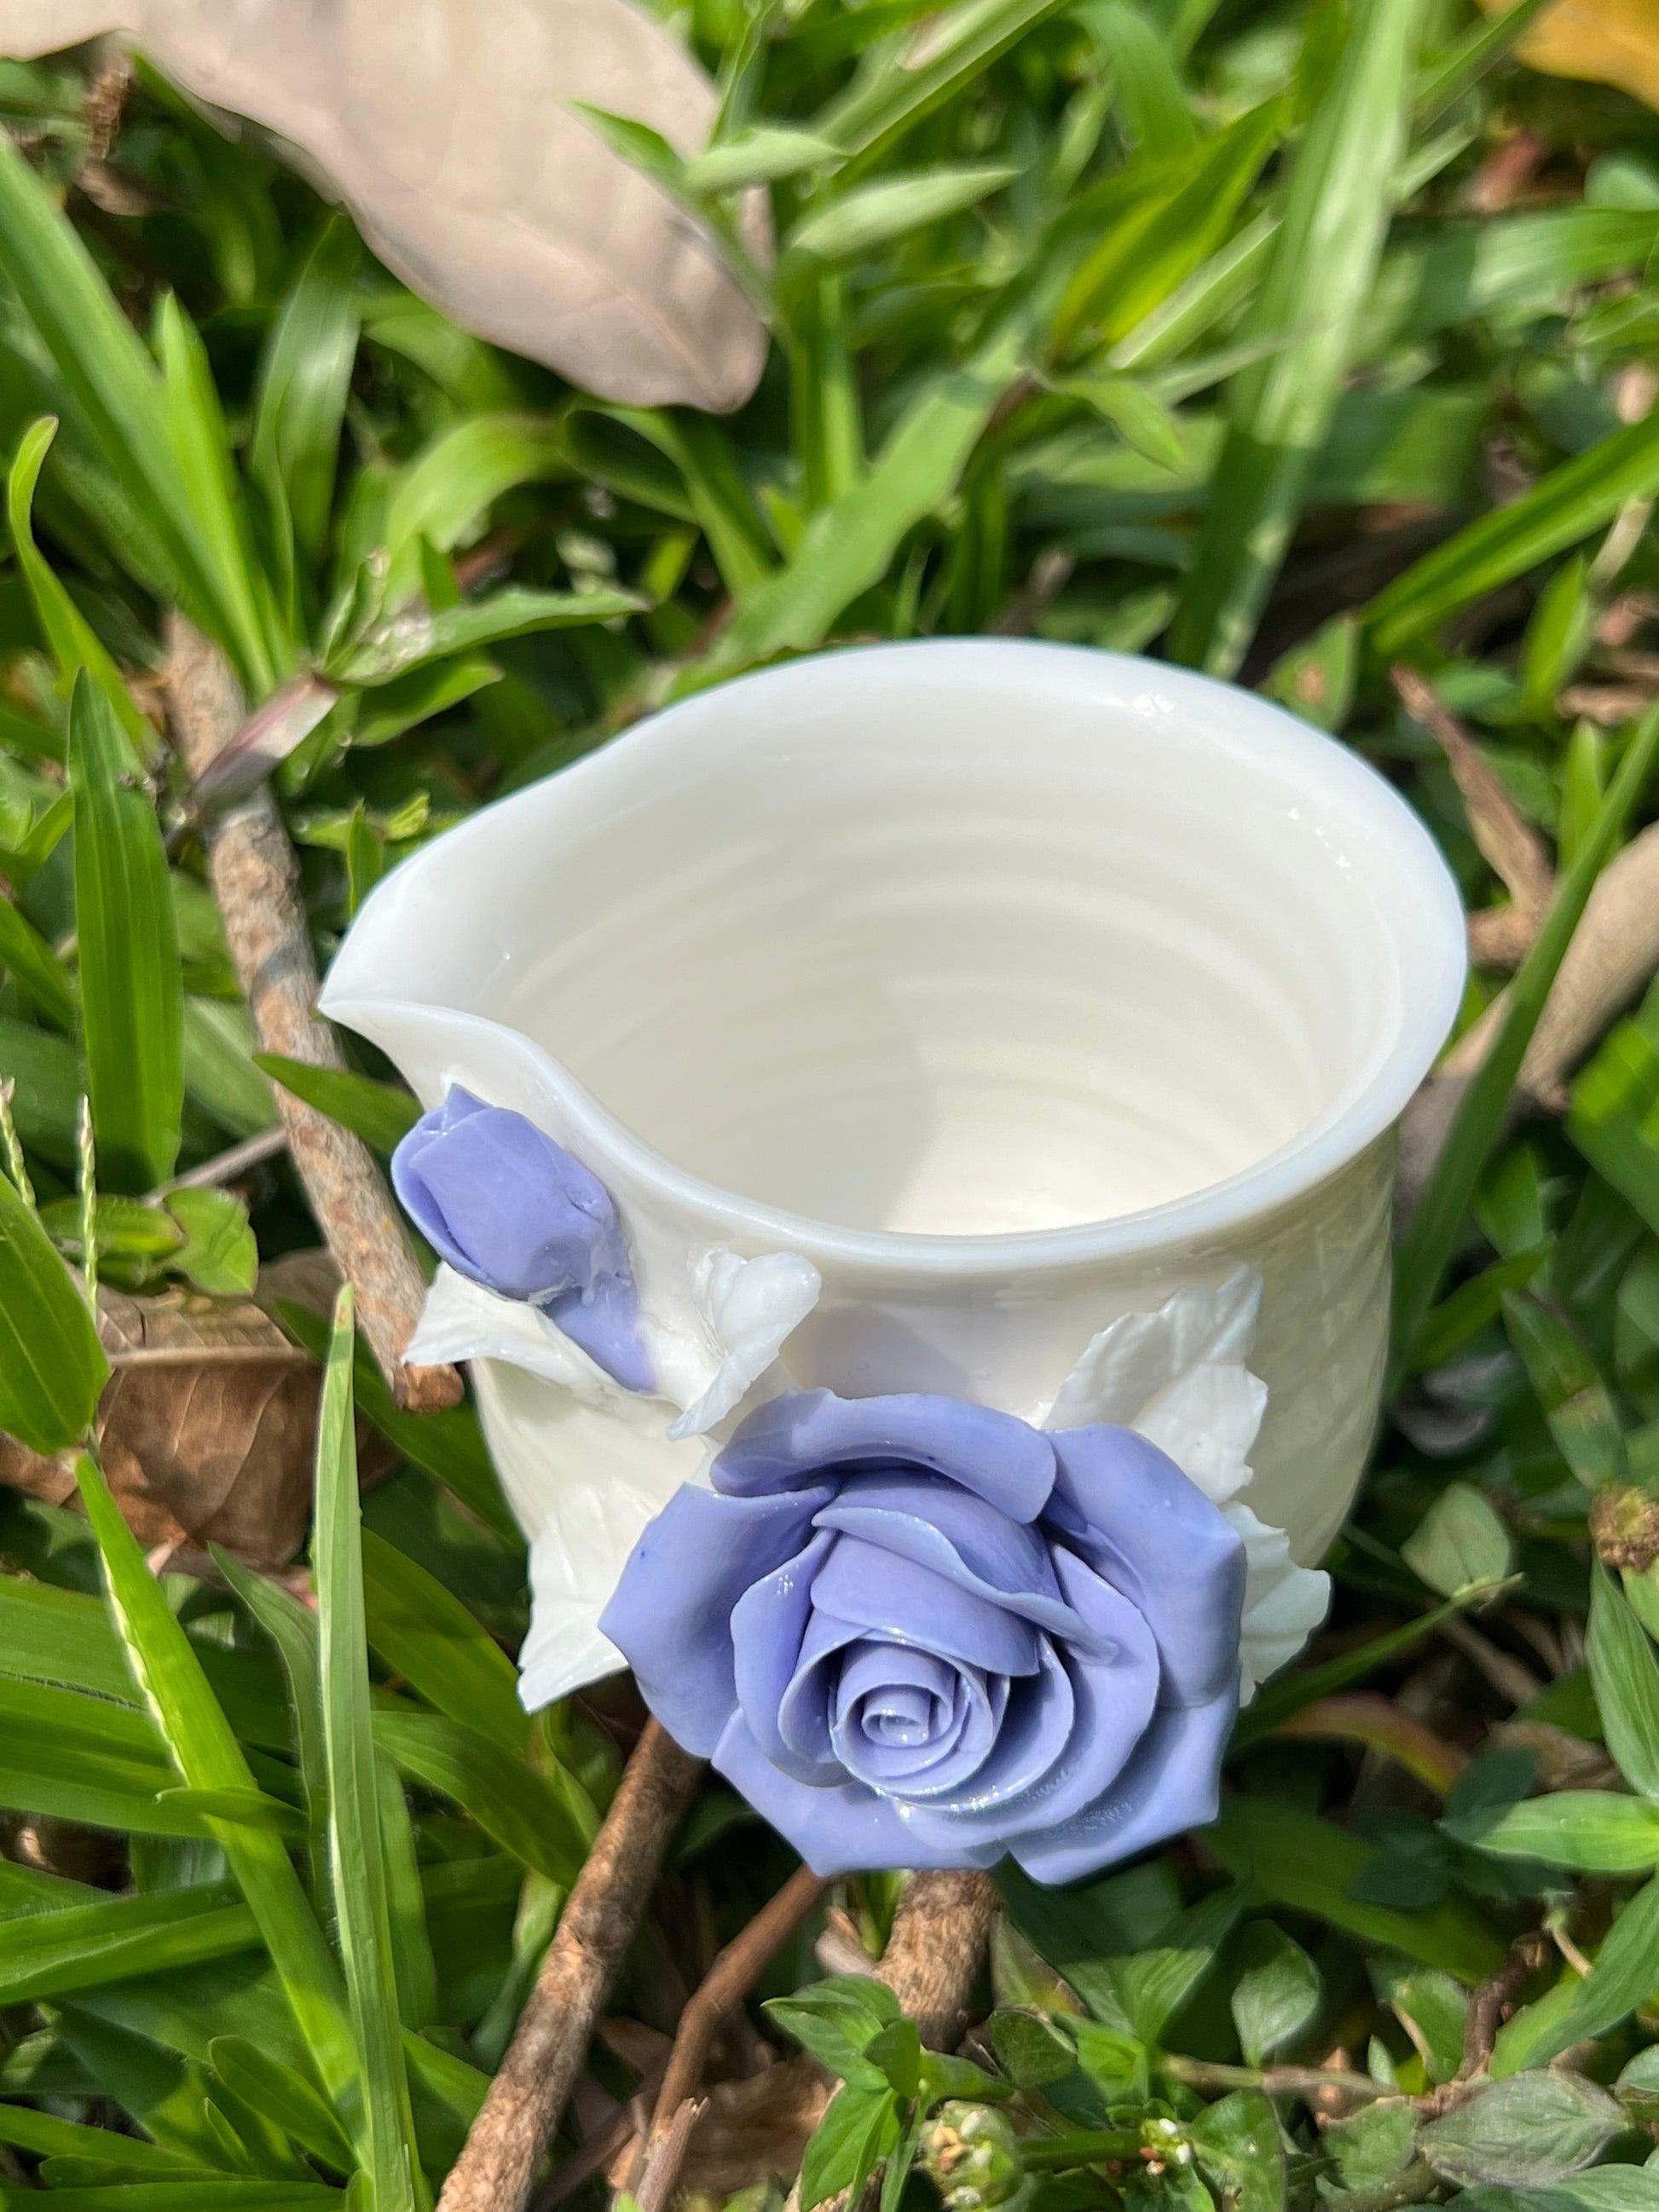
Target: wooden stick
[(664, 2160), (722, 1990), (941, 1935), (256, 882), (494, 2170)]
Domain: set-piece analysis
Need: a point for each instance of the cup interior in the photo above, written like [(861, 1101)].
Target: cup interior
[(960, 939)]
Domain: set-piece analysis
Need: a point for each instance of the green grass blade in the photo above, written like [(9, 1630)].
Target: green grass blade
[(201, 450), (115, 384), (1560, 510), (964, 42), (50, 1954), (35, 968), (356, 1858), (873, 214), (284, 2098), (131, 993), (53, 1635), (412, 641), (457, 478), (509, 1800), (1155, 109), (847, 545), (430, 1639), (69, 637), (449, 1447), (413, 1966), (53, 1367), (1431, 1238), (305, 377), (1323, 260), (1466, 63), (210, 1757), (378, 1113), (292, 1628), (1300, 1861)]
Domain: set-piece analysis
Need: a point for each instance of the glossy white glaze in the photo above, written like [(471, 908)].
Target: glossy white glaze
[(1013, 988)]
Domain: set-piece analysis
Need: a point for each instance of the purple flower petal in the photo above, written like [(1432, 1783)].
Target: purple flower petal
[(1029, 1783), (769, 1623), (1172, 1783), (836, 1831), (812, 1433), (961, 1538), (671, 1614), (506, 1207), (898, 1713), (1127, 1509), (892, 1596)]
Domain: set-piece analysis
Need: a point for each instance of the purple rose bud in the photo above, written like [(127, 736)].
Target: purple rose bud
[(505, 1205), (917, 1633)]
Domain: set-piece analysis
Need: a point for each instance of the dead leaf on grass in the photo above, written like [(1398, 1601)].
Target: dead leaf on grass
[(1602, 41)]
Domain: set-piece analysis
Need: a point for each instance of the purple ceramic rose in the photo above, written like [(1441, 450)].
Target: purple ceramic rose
[(505, 1205), (916, 1632)]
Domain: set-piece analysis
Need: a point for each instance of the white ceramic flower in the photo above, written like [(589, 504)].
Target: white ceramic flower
[(1179, 1377)]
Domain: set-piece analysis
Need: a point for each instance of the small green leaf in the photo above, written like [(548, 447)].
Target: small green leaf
[(1531, 2129), (837, 2019), (1240, 2144), (1460, 1545), (1032, 2050), (1276, 1992), (860, 2128), (1595, 1831), (419, 634), (219, 1253), (35, 968), (283, 2096)]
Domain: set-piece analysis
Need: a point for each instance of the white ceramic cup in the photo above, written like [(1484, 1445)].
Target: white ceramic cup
[(993, 993)]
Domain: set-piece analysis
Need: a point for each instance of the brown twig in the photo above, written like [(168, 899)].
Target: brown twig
[(941, 1932), (624, 2126), (226, 1166), (1506, 1674), (722, 1990), (664, 2157), (1272, 2081), (256, 882), (498, 2164), (1488, 2004)]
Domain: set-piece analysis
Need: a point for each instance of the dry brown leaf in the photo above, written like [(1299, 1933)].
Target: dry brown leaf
[(206, 1428), (756, 2131), (446, 128), (1603, 41)]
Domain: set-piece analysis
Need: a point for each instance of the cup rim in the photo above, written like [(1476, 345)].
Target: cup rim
[(1280, 740)]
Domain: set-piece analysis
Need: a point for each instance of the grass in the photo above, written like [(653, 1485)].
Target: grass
[(1289, 341)]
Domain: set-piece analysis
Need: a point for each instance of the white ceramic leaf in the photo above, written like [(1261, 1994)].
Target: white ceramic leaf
[(447, 127), (750, 1307), (461, 1319), (1284, 1603), (1179, 1377)]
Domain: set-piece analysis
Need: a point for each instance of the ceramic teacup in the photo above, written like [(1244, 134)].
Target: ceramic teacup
[(1016, 1023)]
